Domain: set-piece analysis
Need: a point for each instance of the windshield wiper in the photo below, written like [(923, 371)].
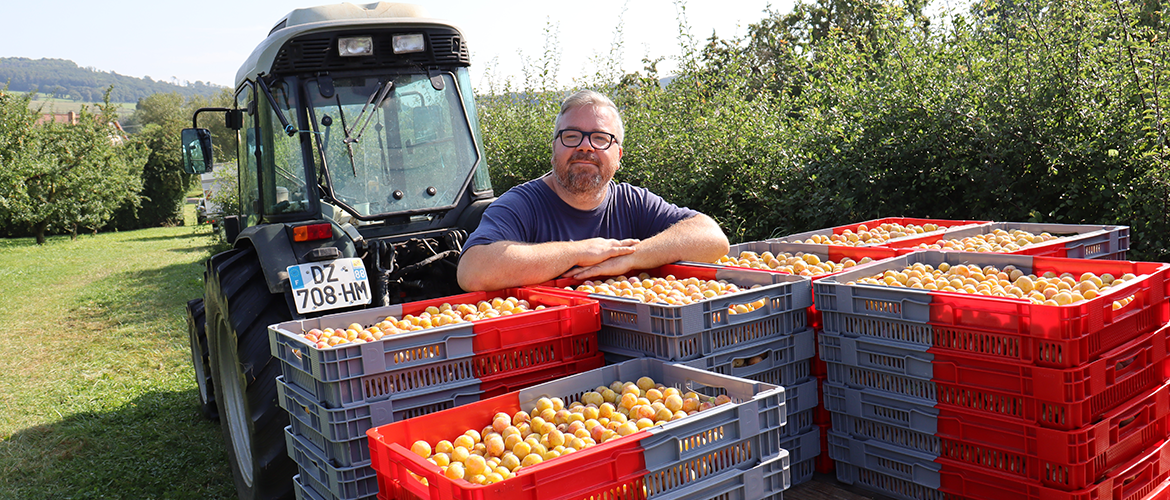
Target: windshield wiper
[(376, 99)]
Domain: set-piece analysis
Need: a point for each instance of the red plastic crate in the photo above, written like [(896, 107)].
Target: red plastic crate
[(942, 223), (1080, 241), (1062, 398), (1011, 329), (1162, 492), (563, 316), (670, 459), (564, 331), (825, 463), (610, 467), (506, 382), (1066, 460), (1133, 480), (1071, 322), (544, 350), (577, 316)]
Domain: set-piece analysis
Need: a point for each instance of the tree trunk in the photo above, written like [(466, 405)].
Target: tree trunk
[(73, 236), (39, 231)]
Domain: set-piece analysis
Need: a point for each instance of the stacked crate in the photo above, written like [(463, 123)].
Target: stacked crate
[(755, 255), (730, 451), (772, 344), (949, 395), (334, 395)]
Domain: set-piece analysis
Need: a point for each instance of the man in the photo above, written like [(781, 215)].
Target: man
[(575, 222)]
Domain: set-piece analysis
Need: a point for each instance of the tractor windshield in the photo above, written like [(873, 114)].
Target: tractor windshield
[(392, 144)]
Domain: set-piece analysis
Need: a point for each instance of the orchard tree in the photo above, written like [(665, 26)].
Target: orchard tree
[(160, 118), (17, 120), (65, 176)]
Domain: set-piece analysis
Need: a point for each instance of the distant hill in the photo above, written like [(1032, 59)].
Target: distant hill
[(63, 78)]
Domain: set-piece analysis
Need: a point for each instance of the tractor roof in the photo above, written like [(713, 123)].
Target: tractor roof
[(329, 18)]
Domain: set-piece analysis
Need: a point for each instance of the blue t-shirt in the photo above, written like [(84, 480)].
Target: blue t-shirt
[(533, 213)]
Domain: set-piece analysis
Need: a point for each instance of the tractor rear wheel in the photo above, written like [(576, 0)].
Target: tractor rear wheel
[(197, 334), (239, 309)]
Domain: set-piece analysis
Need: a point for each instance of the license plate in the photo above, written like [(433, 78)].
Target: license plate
[(321, 286)]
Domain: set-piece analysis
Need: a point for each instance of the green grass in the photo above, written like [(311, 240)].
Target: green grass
[(53, 104), (98, 392)]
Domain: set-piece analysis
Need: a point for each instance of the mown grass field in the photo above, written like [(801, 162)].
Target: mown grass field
[(52, 104), (97, 389)]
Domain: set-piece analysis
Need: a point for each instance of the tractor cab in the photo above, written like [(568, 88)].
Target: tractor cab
[(360, 115)]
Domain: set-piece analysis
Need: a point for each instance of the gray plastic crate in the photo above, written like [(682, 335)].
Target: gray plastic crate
[(747, 432), (924, 391), (890, 408), (316, 472), (429, 378), (861, 428), (834, 296), (778, 352), (346, 442), (803, 472), (344, 424), (799, 422), (634, 343), (878, 354), (800, 396), (1074, 241), (787, 375), (909, 332), (392, 352), (886, 458), (766, 481), (886, 484), (304, 492), (338, 453), (901, 314), (782, 293), (803, 446)]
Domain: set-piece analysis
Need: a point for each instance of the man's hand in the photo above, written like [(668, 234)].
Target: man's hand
[(614, 266), (593, 251)]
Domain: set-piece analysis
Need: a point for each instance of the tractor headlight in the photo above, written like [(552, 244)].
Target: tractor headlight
[(355, 46), (405, 44)]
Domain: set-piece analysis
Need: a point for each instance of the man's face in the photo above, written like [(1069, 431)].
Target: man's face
[(585, 169)]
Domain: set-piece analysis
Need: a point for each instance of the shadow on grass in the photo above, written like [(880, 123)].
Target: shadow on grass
[(176, 236), (156, 446), (147, 295)]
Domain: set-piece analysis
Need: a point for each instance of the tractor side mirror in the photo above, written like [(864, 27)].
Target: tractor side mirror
[(196, 145)]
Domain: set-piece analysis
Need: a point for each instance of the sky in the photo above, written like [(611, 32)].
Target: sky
[(208, 40)]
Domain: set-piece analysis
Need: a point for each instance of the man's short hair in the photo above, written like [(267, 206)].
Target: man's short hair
[(593, 99)]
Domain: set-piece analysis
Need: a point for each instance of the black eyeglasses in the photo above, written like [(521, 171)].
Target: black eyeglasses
[(571, 138)]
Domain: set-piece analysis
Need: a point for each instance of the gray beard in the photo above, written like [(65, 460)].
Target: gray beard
[(583, 183)]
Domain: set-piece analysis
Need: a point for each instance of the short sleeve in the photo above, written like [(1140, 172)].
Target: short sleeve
[(499, 223)]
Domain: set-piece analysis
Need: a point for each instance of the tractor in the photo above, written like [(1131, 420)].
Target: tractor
[(361, 172)]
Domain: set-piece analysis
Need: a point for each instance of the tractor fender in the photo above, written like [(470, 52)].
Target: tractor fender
[(469, 219), (276, 250)]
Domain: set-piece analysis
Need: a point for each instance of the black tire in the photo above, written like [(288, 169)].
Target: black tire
[(197, 334), (239, 309)]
